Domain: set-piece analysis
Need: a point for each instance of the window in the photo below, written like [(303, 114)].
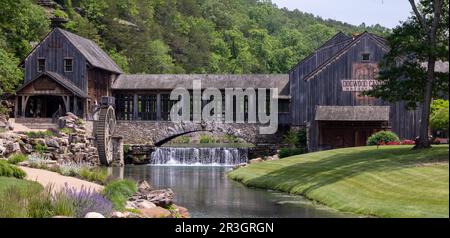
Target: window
[(366, 56), (283, 106), (147, 107), (41, 65), (68, 65)]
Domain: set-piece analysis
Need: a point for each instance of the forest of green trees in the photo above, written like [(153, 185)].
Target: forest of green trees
[(173, 36)]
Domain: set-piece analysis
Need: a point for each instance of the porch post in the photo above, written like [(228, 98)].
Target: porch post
[(16, 107), (66, 100), (75, 105), (158, 106), (135, 106), (24, 104)]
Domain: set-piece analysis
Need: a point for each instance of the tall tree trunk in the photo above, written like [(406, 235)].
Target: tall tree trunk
[(424, 141)]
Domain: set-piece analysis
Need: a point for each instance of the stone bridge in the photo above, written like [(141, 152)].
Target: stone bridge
[(157, 133)]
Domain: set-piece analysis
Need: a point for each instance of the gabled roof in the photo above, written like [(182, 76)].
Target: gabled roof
[(219, 81), (92, 52), (89, 49), (338, 39), (336, 56), (60, 80)]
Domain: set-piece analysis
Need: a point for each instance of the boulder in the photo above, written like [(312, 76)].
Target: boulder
[(162, 197), (254, 161), (142, 204), (27, 148), (12, 147), (144, 187), (119, 215), (130, 205), (156, 212), (50, 142), (93, 215)]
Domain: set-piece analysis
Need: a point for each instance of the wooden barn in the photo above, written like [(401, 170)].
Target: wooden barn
[(326, 95)]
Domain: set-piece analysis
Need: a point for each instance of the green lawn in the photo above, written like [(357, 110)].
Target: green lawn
[(6, 182), (392, 181)]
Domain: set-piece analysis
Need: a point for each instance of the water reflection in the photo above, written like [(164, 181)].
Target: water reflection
[(207, 192)]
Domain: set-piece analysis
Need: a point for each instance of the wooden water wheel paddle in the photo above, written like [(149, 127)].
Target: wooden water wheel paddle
[(105, 128)]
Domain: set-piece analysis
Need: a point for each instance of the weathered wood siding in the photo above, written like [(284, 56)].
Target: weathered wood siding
[(54, 48), (99, 83), (326, 89)]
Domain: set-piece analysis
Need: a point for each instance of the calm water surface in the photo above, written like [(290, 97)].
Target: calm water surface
[(207, 192)]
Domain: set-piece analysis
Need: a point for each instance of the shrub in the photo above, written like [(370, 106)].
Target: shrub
[(60, 14), (40, 134), (291, 138), (67, 130), (229, 138), (382, 137), (40, 148), (182, 140), (206, 139), (85, 201), (126, 149), (302, 138), (79, 122), (119, 191), (37, 161), (408, 142), (70, 169), (439, 120), (9, 170), (17, 158), (286, 152), (98, 175)]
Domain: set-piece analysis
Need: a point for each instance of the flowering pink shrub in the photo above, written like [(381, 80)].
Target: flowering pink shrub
[(408, 142), (393, 143)]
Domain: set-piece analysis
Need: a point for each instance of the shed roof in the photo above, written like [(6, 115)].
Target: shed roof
[(352, 113), (219, 81), (60, 80)]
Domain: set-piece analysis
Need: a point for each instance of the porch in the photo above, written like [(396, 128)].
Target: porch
[(49, 96)]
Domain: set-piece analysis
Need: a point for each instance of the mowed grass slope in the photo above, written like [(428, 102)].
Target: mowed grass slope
[(391, 181)]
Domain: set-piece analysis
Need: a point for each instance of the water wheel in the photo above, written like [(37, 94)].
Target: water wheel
[(104, 130)]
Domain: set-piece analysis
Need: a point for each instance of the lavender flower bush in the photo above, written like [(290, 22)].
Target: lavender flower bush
[(86, 201), (37, 161), (71, 169)]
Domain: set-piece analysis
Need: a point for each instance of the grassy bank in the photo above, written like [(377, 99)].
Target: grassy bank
[(392, 181)]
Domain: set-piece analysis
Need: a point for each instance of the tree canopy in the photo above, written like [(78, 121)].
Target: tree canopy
[(172, 36), (408, 70)]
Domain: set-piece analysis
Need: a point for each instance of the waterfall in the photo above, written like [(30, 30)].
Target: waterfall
[(198, 156)]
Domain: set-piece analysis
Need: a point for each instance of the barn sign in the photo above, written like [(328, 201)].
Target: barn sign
[(363, 78)]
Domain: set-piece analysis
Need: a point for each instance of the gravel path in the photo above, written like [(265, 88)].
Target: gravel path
[(45, 178)]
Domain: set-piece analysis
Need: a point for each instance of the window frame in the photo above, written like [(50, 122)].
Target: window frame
[(365, 54), (38, 64), (64, 65)]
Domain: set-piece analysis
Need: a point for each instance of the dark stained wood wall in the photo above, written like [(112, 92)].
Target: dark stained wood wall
[(54, 49), (325, 89), (99, 83)]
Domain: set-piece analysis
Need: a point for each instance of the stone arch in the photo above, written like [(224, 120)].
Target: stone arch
[(246, 132)]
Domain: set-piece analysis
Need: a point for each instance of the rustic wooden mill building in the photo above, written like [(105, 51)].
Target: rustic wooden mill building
[(326, 94), (322, 93)]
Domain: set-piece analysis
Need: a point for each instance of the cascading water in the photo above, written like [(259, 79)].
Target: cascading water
[(198, 156)]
